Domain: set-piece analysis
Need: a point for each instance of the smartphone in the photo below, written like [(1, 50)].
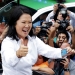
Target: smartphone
[(64, 52)]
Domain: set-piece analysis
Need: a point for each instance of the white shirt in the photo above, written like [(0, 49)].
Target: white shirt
[(12, 65), (49, 16), (72, 17)]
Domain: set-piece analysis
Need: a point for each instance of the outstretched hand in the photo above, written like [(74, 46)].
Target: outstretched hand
[(70, 51), (23, 50), (67, 46)]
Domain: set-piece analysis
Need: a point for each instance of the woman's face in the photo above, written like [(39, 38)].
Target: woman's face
[(59, 17), (23, 25)]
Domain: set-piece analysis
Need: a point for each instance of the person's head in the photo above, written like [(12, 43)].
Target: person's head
[(64, 45), (61, 14), (20, 23), (36, 30), (58, 16), (43, 36), (62, 37), (41, 59)]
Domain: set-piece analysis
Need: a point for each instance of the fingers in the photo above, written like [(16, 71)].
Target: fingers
[(73, 51), (22, 54), (70, 51), (23, 50), (22, 42), (70, 29)]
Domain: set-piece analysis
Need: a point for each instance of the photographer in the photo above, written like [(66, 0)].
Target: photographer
[(64, 24), (51, 14)]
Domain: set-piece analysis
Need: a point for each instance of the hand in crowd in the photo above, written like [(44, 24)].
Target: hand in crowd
[(70, 28), (67, 46), (70, 51), (51, 31), (35, 68), (56, 24), (23, 50), (65, 62)]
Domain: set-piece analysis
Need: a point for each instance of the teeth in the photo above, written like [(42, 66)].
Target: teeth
[(25, 30)]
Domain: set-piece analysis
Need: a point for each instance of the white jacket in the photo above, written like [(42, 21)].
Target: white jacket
[(12, 65)]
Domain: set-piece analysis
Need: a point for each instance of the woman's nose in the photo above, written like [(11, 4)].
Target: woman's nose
[(26, 25)]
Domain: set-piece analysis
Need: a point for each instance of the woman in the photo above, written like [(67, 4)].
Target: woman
[(20, 48)]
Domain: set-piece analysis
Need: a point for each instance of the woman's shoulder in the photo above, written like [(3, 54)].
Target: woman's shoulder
[(8, 40)]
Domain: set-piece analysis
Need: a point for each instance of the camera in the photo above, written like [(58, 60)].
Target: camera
[(46, 26), (60, 60), (63, 24), (43, 31), (63, 11)]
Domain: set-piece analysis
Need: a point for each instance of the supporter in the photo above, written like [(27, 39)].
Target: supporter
[(58, 17), (20, 49), (42, 66), (62, 36)]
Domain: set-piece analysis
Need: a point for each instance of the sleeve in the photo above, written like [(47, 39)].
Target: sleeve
[(8, 53), (72, 15), (47, 51), (49, 15), (72, 19)]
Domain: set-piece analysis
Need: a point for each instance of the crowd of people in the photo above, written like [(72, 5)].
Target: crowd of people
[(60, 34), (26, 50)]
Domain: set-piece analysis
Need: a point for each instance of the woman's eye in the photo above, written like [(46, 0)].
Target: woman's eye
[(23, 22)]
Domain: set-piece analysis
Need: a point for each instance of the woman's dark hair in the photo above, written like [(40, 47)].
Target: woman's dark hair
[(56, 14), (63, 32), (16, 12)]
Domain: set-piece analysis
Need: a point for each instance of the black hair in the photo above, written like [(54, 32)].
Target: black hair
[(45, 59), (42, 33), (63, 32), (63, 11), (56, 14), (15, 15)]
